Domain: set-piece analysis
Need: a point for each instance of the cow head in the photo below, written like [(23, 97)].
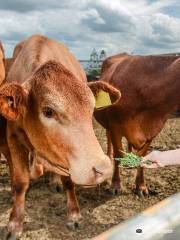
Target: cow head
[(56, 115)]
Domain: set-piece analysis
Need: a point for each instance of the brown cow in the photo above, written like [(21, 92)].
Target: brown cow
[(5, 65), (2, 68), (3, 122), (149, 87), (49, 108), (3, 141)]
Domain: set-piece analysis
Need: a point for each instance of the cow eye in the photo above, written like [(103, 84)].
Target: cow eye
[(48, 112)]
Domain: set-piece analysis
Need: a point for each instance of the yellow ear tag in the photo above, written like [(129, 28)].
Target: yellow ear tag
[(102, 99)]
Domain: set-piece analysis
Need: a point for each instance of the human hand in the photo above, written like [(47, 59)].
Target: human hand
[(152, 161)]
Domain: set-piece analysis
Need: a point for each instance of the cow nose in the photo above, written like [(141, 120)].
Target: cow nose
[(103, 171), (97, 172), (99, 175)]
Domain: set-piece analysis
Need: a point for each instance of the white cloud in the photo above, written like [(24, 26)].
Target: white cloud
[(139, 26)]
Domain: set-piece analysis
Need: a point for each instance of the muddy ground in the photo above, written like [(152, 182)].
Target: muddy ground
[(46, 211)]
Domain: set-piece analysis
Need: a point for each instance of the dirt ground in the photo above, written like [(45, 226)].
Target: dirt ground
[(46, 211)]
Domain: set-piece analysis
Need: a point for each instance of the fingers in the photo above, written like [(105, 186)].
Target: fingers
[(155, 164), (145, 158)]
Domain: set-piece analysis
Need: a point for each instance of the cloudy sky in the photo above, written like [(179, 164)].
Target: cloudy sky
[(134, 26)]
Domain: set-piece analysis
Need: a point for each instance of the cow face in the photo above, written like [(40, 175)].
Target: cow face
[(56, 115)]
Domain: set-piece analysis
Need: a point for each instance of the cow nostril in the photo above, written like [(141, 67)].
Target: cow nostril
[(96, 171)]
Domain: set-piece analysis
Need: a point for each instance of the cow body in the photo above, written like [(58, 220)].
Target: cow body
[(3, 123), (5, 65), (2, 67), (3, 141), (49, 108), (149, 87)]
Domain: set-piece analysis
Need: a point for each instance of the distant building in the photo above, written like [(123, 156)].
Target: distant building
[(102, 55), (94, 56), (93, 65), (95, 60)]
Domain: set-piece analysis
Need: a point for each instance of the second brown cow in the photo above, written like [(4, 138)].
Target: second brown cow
[(150, 92)]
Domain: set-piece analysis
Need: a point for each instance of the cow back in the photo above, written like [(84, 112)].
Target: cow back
[(37, 50)]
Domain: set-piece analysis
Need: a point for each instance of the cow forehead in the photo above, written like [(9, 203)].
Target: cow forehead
[(55, 100), (51, 90), (52, 82), (64, 98)]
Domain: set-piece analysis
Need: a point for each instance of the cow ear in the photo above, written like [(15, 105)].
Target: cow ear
[(105, 94), (12, 101)]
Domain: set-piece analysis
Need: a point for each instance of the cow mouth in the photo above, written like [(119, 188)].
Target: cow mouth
[(47, 165), (87, 185)]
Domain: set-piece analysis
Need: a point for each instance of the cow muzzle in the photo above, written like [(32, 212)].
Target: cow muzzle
[(93, 175)]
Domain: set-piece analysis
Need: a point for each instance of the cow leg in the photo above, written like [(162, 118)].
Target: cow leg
[(7, 155), (55, 183), (2, 160), (141, 188), (74, 215), (117, 147), (109, 145), (129, 147), (20, 184)]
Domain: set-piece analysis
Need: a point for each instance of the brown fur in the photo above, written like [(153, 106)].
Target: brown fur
[(2, 49), (45, 75), (148, 86), (2, 67), (3, 122), (8, 63), (15, 101)]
